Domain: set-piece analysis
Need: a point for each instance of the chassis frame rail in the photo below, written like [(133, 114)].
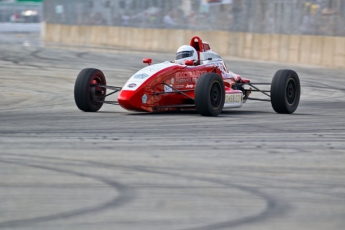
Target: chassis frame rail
[(116, 89), (101, 98), (256, 89)]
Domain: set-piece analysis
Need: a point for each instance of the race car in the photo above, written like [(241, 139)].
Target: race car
[(197, 80)]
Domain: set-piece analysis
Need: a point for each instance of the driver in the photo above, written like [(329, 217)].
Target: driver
[(186, 52)]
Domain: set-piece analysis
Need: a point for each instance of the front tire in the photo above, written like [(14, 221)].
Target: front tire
[(209, 94), (285, 91), (88, 95)]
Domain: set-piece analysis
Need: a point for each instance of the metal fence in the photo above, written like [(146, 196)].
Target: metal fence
[(313, 17), (20, 12)]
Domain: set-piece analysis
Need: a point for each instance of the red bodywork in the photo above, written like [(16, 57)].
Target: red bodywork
[(154, 94)]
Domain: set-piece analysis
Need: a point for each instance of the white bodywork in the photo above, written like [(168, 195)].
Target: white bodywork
[(144, 74)]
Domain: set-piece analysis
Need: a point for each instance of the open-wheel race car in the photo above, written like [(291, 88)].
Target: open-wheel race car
[(197, 80)]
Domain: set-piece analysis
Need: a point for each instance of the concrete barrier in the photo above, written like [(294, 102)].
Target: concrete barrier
[(314, 50)]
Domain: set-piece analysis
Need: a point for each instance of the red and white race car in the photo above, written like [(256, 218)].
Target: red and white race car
[(198, 79)]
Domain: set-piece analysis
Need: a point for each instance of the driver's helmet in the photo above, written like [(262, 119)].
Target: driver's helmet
[(186, 52)]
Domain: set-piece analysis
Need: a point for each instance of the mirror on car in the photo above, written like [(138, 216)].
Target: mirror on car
[(147, 61), (189, 62)]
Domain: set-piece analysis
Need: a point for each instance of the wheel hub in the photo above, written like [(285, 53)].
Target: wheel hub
[(291, 91), (96, 91), (215, 95)]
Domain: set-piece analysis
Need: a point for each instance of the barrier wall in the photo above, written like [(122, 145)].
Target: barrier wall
[(314, 50)]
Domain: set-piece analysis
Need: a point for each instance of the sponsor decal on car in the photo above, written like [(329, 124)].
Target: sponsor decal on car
[(188, 77), (189, 86), (233, 98), (167, 88), (144, 99), (132, 85), (190, 74), (186, 80), (141, 75)]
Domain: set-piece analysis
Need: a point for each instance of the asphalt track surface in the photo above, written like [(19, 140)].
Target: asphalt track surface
[(249, 168)]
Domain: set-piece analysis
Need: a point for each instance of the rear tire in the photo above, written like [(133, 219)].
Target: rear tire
[(209, 94), (285, 91), (86, 90)]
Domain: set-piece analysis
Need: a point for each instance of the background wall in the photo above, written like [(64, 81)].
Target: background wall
[(302, 49)]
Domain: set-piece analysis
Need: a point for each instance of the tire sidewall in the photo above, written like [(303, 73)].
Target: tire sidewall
[(82, 89), (279, 86), (202, 95)]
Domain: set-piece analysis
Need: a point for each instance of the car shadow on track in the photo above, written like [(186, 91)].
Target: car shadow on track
[(191, 112), (251, 112), (111, 112)]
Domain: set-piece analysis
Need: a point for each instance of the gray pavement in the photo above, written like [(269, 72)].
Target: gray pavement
[(249, 168), (11, 27)]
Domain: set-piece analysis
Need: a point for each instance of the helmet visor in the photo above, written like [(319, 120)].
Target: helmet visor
[(184, 54)]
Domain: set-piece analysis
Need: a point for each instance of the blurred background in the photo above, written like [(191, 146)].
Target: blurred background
[(248, 169), (311, 17), (289, 31), (20, 16)]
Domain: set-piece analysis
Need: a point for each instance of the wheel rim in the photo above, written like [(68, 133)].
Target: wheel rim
[(96, 92), (215, 95), (291, 91)]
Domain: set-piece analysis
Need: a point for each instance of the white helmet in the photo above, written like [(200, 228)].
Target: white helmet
[(186, 52)]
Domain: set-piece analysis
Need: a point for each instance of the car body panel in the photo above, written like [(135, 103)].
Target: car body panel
[(170, 85), (158, 85)]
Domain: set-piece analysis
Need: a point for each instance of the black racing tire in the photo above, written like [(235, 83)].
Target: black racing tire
[(209, 94), (285, 91), (85, 90)]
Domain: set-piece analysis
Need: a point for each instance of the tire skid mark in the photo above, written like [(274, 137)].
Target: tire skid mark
[(39, 50), (260, 180), (126, 195), (13, 60), (21, 62), (81, 54), (31, 106), (273, 207)]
